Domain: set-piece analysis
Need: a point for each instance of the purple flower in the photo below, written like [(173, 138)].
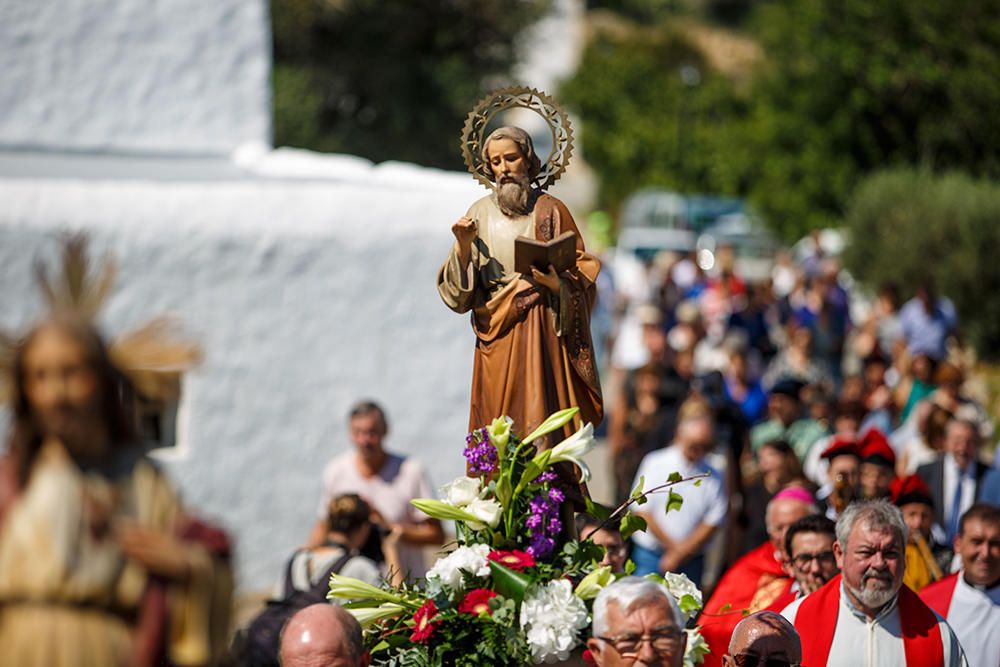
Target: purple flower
[(547, 477), (555, 525), (541, 546), (556, 496), (482, 457), (533, 522)]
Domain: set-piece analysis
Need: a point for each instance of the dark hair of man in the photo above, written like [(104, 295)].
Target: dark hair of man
[(365, 408), (980, 511), (347, 513), (114, 390), (814, 523), (586, 523)]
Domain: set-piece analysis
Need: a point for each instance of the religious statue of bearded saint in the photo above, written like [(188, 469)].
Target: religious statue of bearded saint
[(533, 354)]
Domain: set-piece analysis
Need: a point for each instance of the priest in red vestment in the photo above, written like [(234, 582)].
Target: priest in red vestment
[(757, 579), (970, 599), (867, 617)]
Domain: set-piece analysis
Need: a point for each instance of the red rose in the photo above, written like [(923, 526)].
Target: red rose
[(515, 560), (588, 657), (423, 627), (477, 601)]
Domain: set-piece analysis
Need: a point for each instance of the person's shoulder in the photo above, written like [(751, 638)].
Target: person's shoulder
[(482, 204), (660, 456), (792, 609), (936, 595)]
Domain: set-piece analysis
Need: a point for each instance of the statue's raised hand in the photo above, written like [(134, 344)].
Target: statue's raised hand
[(465, 232)]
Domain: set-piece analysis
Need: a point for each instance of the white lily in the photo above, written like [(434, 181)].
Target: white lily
[(355, 589), (462, 491), (487, 513), (574, 448), (591, 585), (369, 615), (499, 432), (554, 421)]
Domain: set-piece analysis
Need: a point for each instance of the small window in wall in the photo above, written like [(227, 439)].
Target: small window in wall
[(157, 402)]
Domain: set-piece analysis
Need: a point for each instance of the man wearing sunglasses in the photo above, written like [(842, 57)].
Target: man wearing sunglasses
[(637, 622), (764, 639)]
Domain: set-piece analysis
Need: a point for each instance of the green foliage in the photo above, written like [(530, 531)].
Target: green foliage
[(642, 124), (909, 225), (844, 89), (631, 524), (674, 501), (389, 79), (854, 86)]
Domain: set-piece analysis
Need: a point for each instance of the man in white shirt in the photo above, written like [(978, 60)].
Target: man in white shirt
[(866, 616), (387, 482), (970, 599), (675, 542)]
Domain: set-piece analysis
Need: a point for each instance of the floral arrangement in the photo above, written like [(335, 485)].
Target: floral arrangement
[(516, 589)]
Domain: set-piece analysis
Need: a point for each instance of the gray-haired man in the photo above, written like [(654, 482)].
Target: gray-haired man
[(637, 622)]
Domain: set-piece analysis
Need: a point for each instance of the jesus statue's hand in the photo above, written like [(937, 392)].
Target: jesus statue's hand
[(549, 280)]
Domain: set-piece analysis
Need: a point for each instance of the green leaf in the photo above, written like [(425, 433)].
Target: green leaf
[(534, 468), (675, 477), (637, 491), (674, 501), (689, 603), (509, 583), (597, 510), (629, 566), (504, 491), (631, 523), (698, 482)]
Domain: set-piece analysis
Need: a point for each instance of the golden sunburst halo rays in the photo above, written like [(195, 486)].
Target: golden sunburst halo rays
[(474, 132), (153, 356)]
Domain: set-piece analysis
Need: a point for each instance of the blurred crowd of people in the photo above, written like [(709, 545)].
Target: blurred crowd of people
[(794, 398)]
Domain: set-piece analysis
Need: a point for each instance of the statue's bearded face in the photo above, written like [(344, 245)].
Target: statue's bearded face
[(510, 173)]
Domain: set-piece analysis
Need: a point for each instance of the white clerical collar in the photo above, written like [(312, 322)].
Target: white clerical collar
[(992, 592), (884, 612)]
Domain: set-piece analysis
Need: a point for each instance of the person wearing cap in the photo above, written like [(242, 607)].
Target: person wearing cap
[(843, 462), (926, 559), (970, 599), (878, 465), (759, 578), (847, 417), (786, 422)]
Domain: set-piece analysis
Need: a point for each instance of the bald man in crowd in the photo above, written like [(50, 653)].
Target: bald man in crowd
[(323, 635), (759, 578), (764, 638)]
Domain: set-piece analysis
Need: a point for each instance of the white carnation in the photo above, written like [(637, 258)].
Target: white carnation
[(487, 511), (551, 618), (679, 586), (462, 491), (447, 571)]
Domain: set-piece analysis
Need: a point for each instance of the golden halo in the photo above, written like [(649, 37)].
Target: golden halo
[(510, 98)]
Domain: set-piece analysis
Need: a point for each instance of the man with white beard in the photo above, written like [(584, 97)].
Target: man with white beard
[(866, 616), (533, 351)]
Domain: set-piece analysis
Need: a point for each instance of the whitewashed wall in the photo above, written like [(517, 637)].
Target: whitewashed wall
[(177, 76), (305, 295)]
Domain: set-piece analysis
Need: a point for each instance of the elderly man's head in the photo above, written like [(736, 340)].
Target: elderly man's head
[(764, 638), (512, 164), (323, 635), (787, 507), (637, 622), (871, 539)]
